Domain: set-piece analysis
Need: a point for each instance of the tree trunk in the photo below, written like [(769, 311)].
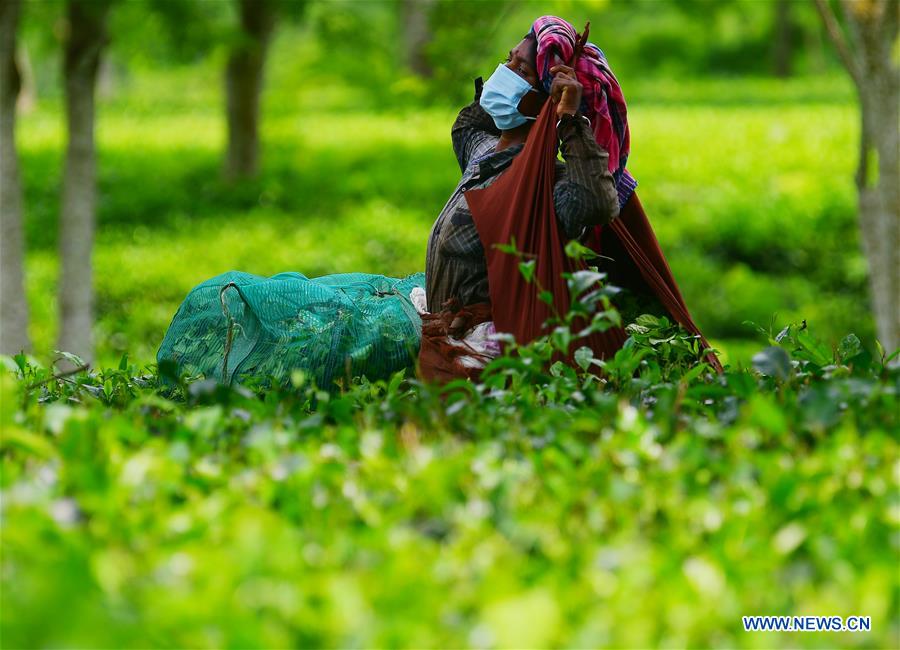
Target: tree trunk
[(243, 84), (13, 304), (878, 184), (873, 27), (83, 48), (783, 51), (416, 35), (27, 91)]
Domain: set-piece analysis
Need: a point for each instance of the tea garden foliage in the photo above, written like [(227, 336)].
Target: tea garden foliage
[(637, 501), (654, 505)]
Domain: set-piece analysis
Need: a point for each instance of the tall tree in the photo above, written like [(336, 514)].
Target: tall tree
[(416, 33), (243, 84), (867, 50), (85, 41), (783, 45), (13, 304)]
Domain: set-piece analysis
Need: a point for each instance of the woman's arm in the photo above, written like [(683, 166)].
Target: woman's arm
[(472, 126), (585, 193)]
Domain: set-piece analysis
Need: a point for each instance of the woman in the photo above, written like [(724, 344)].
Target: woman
[(584, 194), (591, 188)]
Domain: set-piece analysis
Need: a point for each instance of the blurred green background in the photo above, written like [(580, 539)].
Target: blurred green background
[(744, 142), (651, 513)]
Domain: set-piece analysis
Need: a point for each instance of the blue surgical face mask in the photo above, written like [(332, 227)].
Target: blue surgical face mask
[(501, 95)]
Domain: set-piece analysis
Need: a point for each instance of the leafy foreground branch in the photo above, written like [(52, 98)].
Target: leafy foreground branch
[(654, 502)]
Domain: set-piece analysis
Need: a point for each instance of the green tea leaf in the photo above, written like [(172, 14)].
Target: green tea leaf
[(527, 270), (773, 362), (584, 356)]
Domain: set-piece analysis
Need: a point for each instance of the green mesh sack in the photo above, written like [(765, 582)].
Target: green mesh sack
[(237, 325)]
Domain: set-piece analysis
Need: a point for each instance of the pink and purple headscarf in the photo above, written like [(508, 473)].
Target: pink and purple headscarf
[(602, 100)]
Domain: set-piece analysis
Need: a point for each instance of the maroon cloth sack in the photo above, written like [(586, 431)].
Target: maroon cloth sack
[(519, 206)]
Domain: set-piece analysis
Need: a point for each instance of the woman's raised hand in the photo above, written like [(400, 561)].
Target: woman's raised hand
[(565, 90)]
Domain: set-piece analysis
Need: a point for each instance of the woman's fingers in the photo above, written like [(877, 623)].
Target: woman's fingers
[(556, 90), (563, 70), (565, 89), (565, 82)]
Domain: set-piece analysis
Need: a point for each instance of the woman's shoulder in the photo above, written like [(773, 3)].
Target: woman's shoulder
[(482, 146)]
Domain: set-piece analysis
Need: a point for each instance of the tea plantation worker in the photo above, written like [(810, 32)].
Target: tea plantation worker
[(487, 136), (591, 189)]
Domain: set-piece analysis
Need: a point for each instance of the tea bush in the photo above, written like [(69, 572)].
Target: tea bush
[(637, 501)]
